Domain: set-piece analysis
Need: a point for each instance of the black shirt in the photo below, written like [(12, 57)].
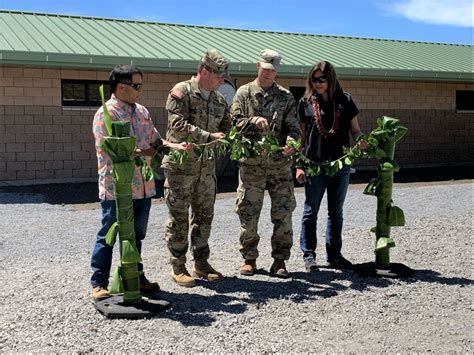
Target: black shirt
[(325, 149)]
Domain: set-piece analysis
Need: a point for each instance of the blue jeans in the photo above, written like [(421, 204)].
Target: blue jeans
[(102, 254), (314, 188)]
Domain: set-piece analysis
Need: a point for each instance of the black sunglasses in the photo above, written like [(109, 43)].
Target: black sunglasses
[(319, 79), (137, 86)]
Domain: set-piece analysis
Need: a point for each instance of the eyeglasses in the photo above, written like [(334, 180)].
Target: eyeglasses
[(136, 86), (319, 79)]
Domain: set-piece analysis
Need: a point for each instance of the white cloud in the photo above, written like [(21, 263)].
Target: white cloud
[(439, 12)]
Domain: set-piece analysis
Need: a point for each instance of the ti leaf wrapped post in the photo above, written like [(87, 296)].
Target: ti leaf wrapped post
[(381, 144), (120, 147)]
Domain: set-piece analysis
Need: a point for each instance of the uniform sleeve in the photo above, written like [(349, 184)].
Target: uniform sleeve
[(239, 112), (177, 106), (291, 122), (226, 122)]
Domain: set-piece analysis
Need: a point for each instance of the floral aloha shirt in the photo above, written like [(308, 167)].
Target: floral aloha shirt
[(142, 127)]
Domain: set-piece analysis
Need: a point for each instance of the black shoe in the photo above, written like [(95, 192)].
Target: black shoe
[(310, 265), (339, 263)]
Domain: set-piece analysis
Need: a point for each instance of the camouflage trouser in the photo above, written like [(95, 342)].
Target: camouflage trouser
[(181, 191), (253, 180)]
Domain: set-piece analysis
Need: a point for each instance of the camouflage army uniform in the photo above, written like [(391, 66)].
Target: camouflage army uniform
[(272, 172), (194, 182)]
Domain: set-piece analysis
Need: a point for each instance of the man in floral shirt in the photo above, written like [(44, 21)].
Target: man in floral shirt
[(126, 82)]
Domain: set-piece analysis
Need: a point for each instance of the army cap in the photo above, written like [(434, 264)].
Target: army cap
[(215, 61), (269, 59)]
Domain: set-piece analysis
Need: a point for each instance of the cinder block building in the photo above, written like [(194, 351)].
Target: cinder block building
[(52, 65)]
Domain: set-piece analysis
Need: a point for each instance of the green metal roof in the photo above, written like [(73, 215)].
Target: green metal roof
[(87, 42)]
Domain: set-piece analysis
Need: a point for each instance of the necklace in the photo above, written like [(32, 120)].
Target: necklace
[(319, 124)]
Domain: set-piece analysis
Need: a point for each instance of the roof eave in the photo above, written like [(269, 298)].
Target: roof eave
[(186, 66)]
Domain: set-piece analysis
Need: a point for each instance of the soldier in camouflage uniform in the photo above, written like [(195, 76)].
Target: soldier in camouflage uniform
[(258, 107), (195, 110)]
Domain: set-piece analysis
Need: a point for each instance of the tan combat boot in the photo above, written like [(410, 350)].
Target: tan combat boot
[(99, 292), (203, 270), (181, 276), (147, 286), (278, 269), (248, 268)]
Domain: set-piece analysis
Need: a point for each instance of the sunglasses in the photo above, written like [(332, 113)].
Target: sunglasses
[(136, 86), (319, 79)]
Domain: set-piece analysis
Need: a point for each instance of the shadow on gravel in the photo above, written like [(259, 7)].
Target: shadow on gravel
[(196, 310), (192, 309), (435, 277)]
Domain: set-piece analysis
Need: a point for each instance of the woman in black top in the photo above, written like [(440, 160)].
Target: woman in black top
[(327, 115)]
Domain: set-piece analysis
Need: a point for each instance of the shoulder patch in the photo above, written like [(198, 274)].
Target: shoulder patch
[(177, 93)]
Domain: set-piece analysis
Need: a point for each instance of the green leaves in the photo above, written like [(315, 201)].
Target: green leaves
[(130, 252), (107, 119), (388, 129), (117, 282), (389, 165), (371, 188), (111, 233), (384, 243), (234, 144), (396, 217), (238, 147), (179, 156)]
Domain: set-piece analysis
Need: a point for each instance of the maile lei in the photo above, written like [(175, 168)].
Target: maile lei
[(319, 124)]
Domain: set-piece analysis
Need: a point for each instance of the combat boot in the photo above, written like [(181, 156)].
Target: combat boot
[(146, 286), (181, 276), (278, 269), (248, 268), (203, 270)]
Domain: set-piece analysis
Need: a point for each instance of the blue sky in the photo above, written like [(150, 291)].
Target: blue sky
[(447, 21)]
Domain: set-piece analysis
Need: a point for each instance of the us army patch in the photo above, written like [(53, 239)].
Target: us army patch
[(177, 94)]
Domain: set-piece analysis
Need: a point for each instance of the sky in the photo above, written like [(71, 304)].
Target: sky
[(445, 21)]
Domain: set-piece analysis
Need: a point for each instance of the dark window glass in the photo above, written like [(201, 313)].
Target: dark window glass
[(82, 92), (297, 91), (465, 100)]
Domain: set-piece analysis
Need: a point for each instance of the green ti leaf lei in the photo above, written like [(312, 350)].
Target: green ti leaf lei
[(239, 147)]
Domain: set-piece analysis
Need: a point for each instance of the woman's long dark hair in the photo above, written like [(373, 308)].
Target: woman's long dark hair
[(334, 88)]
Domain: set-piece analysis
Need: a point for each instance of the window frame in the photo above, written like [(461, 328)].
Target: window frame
[(463, 110), (87, 101)]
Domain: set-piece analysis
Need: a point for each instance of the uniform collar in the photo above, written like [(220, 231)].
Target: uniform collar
[(272, 90), (195, 88)]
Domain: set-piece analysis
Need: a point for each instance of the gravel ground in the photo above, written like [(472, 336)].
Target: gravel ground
[(46, 305)]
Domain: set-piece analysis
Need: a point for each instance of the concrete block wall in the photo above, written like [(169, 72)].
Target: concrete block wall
[(42, 141)]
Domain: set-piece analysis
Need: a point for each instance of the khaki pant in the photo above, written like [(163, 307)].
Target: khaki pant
[(181, 191), (253, 180)]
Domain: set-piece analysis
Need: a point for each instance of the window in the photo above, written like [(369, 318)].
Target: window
[(82, 92), (465, 100), (297, 91)]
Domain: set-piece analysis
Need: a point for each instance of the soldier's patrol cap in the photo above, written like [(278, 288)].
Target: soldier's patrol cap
[(269, 59), (215, 61)]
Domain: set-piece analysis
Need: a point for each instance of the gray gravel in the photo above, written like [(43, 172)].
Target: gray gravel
[(46, 304)]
